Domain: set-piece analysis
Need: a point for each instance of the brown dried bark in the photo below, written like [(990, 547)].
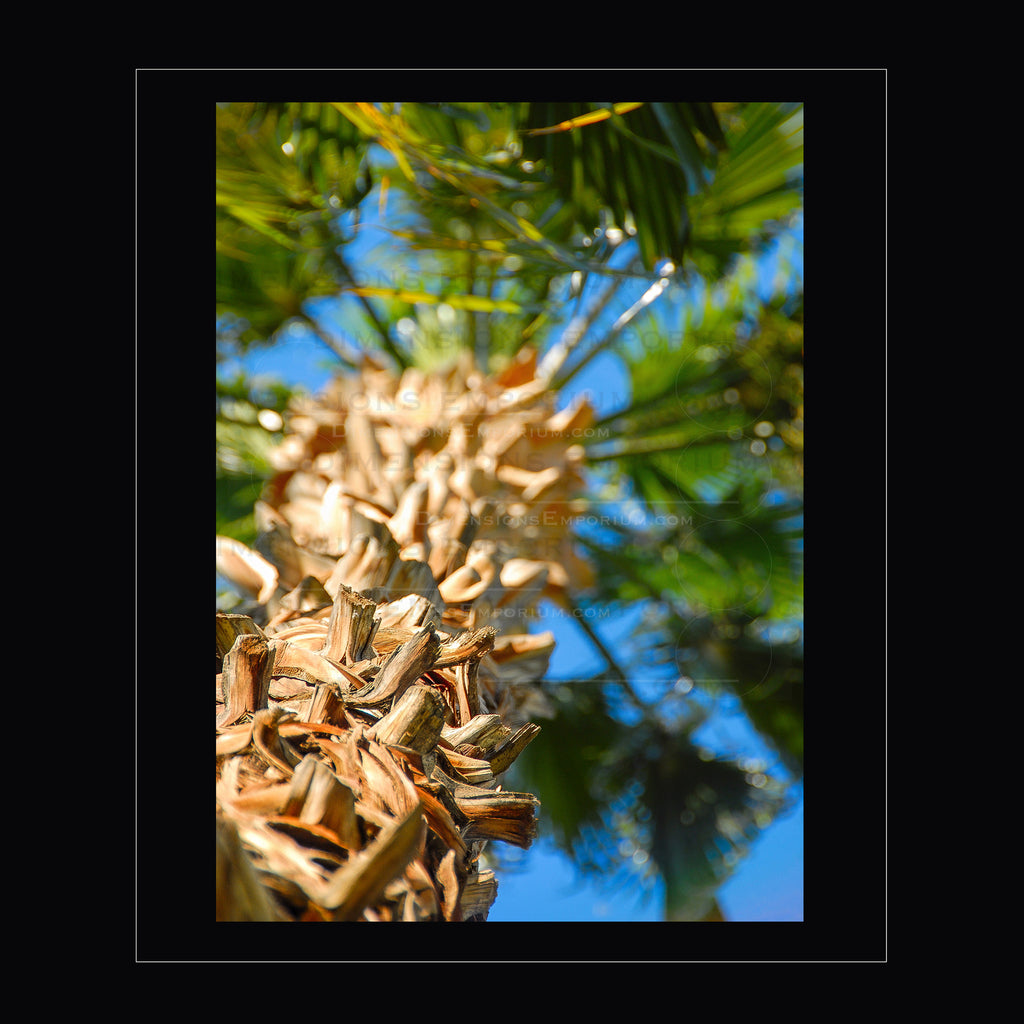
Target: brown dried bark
[(371, 701)]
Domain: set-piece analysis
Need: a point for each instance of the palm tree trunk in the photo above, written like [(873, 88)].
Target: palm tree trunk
[(372, 697)]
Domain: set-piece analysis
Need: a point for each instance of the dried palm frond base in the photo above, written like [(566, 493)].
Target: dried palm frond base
[(364, 790), (370, 702)]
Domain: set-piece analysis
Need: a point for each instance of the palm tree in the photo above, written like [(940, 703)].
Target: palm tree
[(415, 515)]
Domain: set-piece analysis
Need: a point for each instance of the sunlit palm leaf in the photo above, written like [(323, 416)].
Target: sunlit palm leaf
[(758, 180), (283, 172), (594, 117), (278, 163), (471, 303), (452, 175)]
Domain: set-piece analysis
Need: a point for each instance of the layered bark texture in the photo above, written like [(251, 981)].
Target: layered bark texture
[(383, 677)]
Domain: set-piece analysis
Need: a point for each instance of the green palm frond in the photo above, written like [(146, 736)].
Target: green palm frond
[(758, 182), (284, 172), (640, 161), (645, 787), (244, 445), (705, 813), (708, 412)]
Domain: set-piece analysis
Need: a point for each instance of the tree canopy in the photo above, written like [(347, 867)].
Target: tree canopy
[(638, 233)]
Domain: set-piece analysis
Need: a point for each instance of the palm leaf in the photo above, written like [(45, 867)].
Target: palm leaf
[(620, 157), (705, 812), (758, 181), (702, 812), (471, 303)]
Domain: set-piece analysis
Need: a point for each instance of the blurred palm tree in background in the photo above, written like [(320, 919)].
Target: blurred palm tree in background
[(622, 241)]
